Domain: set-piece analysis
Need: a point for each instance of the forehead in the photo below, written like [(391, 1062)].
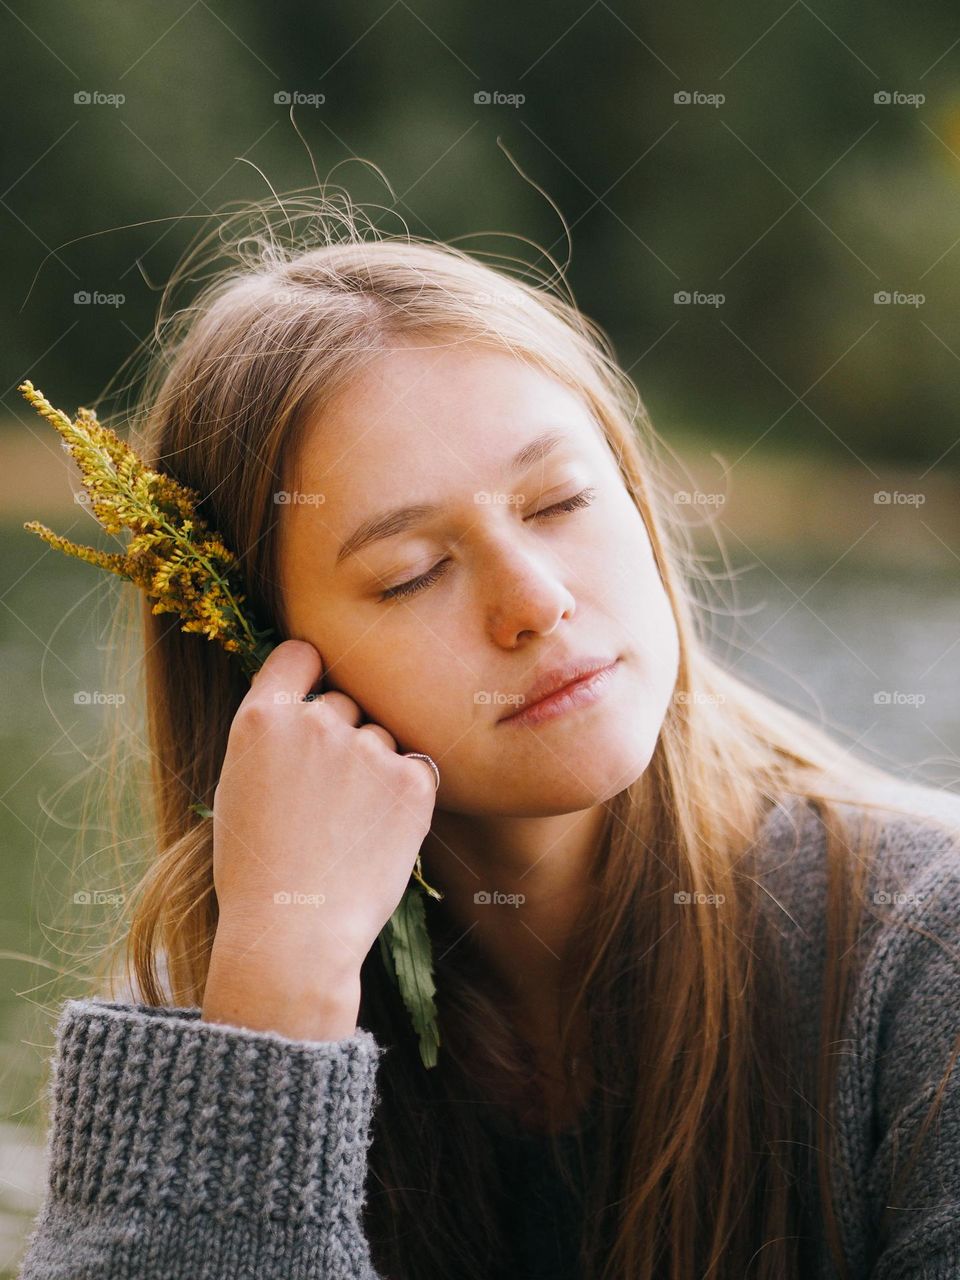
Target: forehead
[(432, 413)]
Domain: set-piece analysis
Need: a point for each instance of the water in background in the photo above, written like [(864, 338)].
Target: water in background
[(872, 653)]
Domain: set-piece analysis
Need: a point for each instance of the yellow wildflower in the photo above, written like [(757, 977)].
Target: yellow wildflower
[(172, 555)]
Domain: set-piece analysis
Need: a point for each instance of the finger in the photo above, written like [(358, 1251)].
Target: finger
[(290, 670), (338, 704), (378, 731)]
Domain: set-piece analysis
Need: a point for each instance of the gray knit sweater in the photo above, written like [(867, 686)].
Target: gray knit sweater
[(179, 1148)]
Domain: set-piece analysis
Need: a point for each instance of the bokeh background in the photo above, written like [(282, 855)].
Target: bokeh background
[(761, 206)]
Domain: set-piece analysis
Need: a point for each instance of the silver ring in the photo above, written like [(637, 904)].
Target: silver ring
[(421, 755)]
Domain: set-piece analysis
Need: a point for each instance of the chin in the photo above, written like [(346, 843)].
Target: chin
[(557, 786)]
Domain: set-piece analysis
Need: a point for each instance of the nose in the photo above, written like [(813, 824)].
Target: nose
[(525, 595)]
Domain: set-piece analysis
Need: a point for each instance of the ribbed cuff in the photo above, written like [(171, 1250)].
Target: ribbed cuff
[(154, 1107)]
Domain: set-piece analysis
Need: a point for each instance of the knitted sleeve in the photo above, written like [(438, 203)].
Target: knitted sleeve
[(906, 1031), (183, 1148)]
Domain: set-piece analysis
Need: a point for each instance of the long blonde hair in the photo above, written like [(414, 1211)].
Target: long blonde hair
[(688, 1014)]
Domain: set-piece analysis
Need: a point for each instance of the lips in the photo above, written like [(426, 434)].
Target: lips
[(557, 678)]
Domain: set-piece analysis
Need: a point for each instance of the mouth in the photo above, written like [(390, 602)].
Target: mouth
[(578, 684)]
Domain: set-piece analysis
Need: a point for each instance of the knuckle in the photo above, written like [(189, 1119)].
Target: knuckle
[(366, 745), (252, 718), (334, 698), (378, 734), (325, 722)]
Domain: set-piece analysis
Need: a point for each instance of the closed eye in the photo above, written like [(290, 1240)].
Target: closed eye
[(581, 499)]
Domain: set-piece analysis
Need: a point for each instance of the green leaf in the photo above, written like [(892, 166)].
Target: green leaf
[(409, 944), (387, 958), (202, 809)]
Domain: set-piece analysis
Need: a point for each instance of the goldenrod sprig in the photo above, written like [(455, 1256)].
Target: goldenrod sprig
[(172, 555)]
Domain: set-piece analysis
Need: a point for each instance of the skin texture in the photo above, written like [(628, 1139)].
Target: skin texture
[(520, 808)]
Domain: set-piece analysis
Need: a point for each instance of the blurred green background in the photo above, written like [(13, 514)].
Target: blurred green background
[(763, 206)]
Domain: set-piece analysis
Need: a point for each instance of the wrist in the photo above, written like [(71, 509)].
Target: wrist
[(323, 1007)]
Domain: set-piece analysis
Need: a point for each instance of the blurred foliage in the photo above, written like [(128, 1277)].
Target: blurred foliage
[(798, 197)]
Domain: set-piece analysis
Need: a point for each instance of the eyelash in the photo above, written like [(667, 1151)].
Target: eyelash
[(581, 499)]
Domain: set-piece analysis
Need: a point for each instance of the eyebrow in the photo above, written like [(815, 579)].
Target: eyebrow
[(389, 523)]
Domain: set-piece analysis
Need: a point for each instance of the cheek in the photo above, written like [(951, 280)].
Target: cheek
[(400, 686), (657, 635), (622, 557), (635, 592)]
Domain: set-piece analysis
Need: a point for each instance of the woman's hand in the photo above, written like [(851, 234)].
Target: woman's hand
[(317, 825)]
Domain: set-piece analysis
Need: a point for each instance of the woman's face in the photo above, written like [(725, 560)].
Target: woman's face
[(517, 585)]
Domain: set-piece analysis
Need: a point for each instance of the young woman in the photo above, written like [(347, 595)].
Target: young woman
[(696, 966)]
